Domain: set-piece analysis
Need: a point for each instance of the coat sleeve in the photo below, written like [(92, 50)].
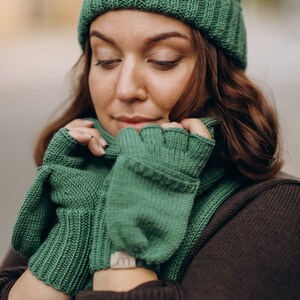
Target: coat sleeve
[(250, 250)]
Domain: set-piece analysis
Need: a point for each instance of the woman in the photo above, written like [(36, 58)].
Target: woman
[(159, 182)]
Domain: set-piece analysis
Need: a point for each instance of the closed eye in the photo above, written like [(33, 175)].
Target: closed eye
[(165, 65), (108, 64)]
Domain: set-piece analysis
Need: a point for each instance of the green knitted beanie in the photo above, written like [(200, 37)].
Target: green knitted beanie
[(220, 20)]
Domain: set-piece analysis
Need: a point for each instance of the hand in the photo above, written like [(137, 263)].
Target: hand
[(151, 192), (82, 131), (191, 125), (69, 183), (122, 280), (28, 287)]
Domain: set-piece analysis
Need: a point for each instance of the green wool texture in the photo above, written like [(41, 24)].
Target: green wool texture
[(67, 188), (149, 197), (153, 206), (220, 20), (102, 247), (159, 171)]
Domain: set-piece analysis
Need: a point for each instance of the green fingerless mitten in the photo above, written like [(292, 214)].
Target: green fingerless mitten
[(72, 186), (150, 195)]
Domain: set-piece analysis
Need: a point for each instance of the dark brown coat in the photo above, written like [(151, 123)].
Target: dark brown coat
[(249, 250)]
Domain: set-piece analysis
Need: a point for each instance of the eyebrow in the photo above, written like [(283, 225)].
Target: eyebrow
[(149, 41), (165, 36), (101, 36)]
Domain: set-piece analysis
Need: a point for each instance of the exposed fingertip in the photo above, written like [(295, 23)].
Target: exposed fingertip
[(88, 123), (96, 149), (103, 142), (99, 151)]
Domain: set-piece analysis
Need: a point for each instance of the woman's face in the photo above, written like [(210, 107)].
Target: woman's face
[(140, 65)]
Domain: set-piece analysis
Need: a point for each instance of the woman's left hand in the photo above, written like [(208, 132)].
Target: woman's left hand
[(164, 153), (122, 280), (191, 125)]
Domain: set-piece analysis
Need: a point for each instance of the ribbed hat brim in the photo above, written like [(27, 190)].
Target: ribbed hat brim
[(220, 20)]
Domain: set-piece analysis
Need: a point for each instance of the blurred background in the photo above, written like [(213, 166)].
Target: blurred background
[(38, 47)]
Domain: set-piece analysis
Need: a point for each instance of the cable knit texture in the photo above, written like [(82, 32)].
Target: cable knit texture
[(220, 20), (67, 188)]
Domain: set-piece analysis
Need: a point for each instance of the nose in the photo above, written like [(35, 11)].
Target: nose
[(131, 83)]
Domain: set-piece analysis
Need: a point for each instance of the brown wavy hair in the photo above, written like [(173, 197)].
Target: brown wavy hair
[(249, 124)]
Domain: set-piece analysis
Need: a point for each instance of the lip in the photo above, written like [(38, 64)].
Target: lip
[(136, 122), (135, 119)]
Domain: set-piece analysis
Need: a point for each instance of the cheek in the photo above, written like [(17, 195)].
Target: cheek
[(101, 90), (169, 89), (168, 97)]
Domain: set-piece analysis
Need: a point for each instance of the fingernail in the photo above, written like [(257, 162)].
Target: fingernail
[(88, 122), (102, 150), (103, 142)]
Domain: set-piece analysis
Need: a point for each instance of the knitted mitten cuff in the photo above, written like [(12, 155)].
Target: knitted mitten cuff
[(102, 247), (62, 260)]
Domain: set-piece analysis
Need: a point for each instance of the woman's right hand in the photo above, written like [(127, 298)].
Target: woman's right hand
[(83, 131), (66, 189), (28, 287)]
